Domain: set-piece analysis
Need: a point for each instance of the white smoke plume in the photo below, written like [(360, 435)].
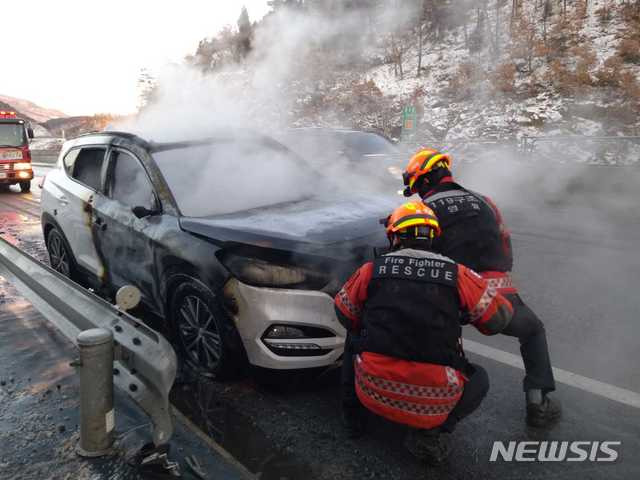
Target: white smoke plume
[(295, 54)]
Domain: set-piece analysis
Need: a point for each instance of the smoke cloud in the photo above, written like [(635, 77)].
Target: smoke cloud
[(295, 54)]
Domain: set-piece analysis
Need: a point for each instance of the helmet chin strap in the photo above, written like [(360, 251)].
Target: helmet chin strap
[(434, 176), (396, 242), (418, 186)]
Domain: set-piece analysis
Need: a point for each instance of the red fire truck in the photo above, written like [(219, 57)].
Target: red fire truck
[(15, 157)]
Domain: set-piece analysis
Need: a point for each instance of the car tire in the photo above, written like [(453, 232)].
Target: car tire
[(204, 335), (25, 187), (60, 257)]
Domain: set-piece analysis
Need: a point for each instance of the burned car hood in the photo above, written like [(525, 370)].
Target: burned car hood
[(311, 225)]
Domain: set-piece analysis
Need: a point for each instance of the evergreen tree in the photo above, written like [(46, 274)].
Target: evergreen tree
[(245, 33)]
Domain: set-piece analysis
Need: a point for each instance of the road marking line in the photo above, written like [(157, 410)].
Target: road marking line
[(617, 394)]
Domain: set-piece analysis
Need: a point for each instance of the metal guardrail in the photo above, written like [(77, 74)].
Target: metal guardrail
[(145, 365), (607, 151), (529, 144)]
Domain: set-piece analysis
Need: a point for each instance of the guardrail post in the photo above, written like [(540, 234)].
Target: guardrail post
[(146, 366), (96, 392)]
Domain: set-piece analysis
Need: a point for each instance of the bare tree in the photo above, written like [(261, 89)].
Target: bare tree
[(515, 5), (477, 38), (422, 21), (453, 120), (546, 13), (396, 49), (496, 43), (524, 40)]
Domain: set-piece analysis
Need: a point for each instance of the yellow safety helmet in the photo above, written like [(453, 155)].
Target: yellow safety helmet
[(413, 219), (422, 163)]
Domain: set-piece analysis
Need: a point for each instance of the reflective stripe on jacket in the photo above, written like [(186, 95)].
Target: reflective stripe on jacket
[(415, 394), (501, 281), (417, 390)]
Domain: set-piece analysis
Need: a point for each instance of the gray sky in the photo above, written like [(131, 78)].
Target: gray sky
[(85, 56)]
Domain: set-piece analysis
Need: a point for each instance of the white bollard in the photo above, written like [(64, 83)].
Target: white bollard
[(96, 392)]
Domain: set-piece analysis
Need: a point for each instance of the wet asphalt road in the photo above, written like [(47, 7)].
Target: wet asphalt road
[(39, 394), (580, 279)]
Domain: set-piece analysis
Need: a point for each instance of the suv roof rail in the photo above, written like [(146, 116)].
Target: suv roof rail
[(111, 132), (114, 133)]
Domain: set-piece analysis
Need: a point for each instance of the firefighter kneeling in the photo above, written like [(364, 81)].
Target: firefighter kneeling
[(404, 313)]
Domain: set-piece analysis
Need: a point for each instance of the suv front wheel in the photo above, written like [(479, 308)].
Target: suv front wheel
[(203, 332)]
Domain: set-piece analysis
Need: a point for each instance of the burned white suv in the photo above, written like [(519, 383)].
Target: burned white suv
[(236, 242)]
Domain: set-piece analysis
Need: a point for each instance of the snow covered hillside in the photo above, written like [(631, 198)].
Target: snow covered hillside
[(492, 93), (475, 71)]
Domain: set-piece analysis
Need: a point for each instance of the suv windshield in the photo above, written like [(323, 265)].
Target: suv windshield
[(231, 176), (12, 135)]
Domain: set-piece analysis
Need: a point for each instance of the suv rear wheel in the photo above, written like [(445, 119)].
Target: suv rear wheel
[(25, 186), (203, 333), (59, 254)]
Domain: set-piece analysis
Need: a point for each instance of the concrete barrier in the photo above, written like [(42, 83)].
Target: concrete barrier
[(44, 156)]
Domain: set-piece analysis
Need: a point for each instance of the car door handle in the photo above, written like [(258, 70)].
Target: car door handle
[(63, 201), (100, 223)]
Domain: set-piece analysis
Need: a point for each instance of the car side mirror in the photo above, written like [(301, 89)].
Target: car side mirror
[(30, 132), (142, 212)]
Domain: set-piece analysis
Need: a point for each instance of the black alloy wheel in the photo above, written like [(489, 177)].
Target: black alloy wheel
[(199, 334), (203, 332), (59, 255)]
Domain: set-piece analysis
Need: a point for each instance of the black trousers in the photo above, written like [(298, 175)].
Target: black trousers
[(533, 346), (350, 399), (474, 392)]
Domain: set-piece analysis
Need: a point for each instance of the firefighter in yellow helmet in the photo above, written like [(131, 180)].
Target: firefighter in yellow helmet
[(474, 234), (404, 312)]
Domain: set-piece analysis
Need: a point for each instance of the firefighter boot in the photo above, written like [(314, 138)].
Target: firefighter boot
[(542, 411), (354, 419), (430, 446)]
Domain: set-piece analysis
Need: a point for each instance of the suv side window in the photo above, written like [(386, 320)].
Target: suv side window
[(88, 167), (129, 183), (70, 160)]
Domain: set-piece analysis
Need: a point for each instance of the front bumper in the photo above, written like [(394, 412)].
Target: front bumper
[(15, 176), (257, 309)]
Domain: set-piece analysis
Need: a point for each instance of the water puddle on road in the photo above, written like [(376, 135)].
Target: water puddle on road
[(23, 231), (236, 433)]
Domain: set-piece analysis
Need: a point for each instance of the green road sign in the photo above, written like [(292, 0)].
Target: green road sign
[(408, 118)]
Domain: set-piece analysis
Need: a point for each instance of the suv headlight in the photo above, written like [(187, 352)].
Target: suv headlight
[(261, 273), (22, 166)]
